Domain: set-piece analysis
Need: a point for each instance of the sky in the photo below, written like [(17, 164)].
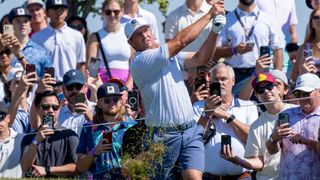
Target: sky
[(95, 23)]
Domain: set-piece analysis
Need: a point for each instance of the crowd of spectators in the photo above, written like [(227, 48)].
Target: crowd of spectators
[(230, 95)]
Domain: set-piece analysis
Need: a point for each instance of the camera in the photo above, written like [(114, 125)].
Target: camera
[(48, 120), (133, 99), (283, 118), (307, 54), (225, 140)]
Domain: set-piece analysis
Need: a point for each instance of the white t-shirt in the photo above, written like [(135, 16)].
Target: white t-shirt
[(65, 45), (116, 49), (10, 153), (259, 134), (244, 111)]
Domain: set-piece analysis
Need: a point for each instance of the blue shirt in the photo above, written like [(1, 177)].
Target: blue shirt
[(21, 122), (36, 54), (90, 137), (160, 81)]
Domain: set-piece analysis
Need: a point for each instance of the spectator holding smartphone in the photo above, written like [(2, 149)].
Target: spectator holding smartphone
[(25, 50), (232, 117), (49, 153), (297, 139), (101, 159)]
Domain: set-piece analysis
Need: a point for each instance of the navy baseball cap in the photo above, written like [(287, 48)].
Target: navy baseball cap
[(56, 3), (108, 89), (17, 12), (73, 76)]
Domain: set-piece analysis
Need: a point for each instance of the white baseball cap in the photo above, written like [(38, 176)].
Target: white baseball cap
[(134, 25), (307, 82)]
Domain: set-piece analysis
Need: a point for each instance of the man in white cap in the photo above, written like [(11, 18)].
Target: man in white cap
[(298, 138), (157, 73), (38, 13)]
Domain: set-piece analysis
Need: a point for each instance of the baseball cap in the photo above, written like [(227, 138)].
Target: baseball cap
[(134, 25), (277, 74), (55, 3), (73, 76), (17, 12), (263, 77), (307, 83), (3, 107), (15, 72), (120, 83), (31, 2), (108, 89)]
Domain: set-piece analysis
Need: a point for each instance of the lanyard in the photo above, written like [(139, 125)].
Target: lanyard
[(248, 35)]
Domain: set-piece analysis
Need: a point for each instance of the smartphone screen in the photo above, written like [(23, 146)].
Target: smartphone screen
[(8, 29), (49, 70), (307, 54), (283, 118), (215, 89), (265, 50), (48, 120), (108, 137), (133, 99), (30, 68), (225, 140), (80, 98), (94, 67), (199, 81)]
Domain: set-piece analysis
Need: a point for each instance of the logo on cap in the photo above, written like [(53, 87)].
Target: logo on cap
[(134, 23), (20, 11), (110, 89), (58, 1), (261, 77), (74, 74)]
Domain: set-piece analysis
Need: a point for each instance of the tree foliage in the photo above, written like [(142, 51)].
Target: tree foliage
[(84, 7)]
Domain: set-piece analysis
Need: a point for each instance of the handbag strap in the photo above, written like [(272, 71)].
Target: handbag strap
[(103, 55)]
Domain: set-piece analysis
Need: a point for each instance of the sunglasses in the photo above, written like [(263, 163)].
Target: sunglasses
[(77, 86), (316, 17), (78, 27), (3, 115), (47, 106), (108, 100), (260, 90), (109, 12), (300, 94), (5, 51)]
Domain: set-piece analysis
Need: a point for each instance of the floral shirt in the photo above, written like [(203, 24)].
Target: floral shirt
[(299, 161), (36, 54)]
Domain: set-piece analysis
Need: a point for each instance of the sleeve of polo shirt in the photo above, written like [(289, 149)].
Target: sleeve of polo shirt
[(252, 145), (81, 51), (170, 26), (149, 63), (293, 19), (276, 36)]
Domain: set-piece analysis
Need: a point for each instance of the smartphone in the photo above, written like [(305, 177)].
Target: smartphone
[(108, 137), (49, 70), (94, 67), (80, 98), (215, 89), (48, 120), (225, 140), (133, 99), (307, 54), (199, 81), (8, 29), (265, 50), (283, 118), (30, 68)]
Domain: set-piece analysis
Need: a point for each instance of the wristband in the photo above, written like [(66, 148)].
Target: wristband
[(92, 152), (234, 50), (47, 169), (230, 119), (35, 142), (240, 162), (272, 140)]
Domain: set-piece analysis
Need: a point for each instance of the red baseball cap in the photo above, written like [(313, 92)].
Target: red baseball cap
[(263, 77)]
